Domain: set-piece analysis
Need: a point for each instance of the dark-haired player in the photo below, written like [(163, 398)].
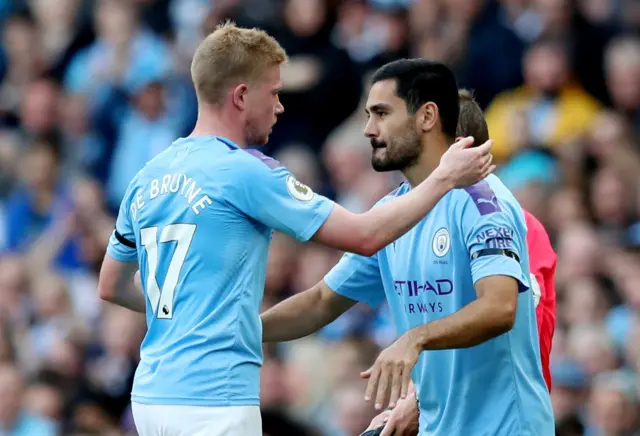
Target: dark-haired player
[(457, 283), (403, 420)]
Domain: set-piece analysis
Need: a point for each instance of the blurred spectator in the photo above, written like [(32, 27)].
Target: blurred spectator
[(91, 90), (622, 65), (555, 109), (14, 419), (321, 83), (613, 404), (40, 211)]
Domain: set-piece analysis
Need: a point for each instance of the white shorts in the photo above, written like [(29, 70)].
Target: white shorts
[(161, 420)]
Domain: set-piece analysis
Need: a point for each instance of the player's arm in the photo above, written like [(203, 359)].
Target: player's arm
[(115, 284), (491, 314), (303, 314), (120, 263), (355, 278), (276, 199), (368, 233)]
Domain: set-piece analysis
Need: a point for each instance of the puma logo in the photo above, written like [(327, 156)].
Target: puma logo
[(493, 201)]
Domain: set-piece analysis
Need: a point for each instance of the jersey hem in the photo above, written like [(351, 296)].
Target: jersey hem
[(185, 401), (372, 304), (122, 257)]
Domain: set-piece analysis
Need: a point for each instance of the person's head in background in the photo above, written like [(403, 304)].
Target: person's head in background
[(622, 67), (40, 163), (45, 398), (40, 107), (471, 121), (613, 403), (116, 22), (413, 113), (546, 67), (236, 75)]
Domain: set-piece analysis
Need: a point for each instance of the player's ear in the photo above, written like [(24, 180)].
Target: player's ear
[(239, 96), (427, 116)]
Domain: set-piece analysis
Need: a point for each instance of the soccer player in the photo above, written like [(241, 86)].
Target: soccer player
[(197, 221), (403, 419), (457, 283)]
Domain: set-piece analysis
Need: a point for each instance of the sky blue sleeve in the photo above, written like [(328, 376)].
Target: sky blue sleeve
[(270, 194), (494, 239), (358, 278), (122, 244)]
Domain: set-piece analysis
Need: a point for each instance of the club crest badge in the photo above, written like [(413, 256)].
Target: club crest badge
[(441, 242)]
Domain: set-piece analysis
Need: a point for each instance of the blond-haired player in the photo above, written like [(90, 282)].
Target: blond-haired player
[(197, 220)]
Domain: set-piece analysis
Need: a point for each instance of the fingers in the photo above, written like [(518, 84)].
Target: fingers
[(490, 170), (406, 382), (383, 386), (389, 427), (396, 386), (487, 163), (464, 142), (366, 374), (373, 382), (379, 420), (485, 148)]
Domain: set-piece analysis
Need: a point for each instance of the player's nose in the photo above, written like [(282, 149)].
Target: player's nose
[(371, 129), (279, 108)]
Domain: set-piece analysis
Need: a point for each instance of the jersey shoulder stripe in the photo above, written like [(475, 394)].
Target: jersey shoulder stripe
[(483, 197), (267, 160)]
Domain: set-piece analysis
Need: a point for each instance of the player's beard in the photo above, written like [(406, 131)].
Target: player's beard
[(255, 136), (399, 153)]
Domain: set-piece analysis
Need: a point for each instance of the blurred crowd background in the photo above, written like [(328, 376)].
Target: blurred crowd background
[(91, 90)]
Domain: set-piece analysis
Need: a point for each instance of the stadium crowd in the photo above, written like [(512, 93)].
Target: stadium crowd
[(91, 90)]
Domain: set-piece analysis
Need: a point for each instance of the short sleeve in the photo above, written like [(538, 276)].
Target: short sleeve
[(494, 235), (358, 278), (122, 244), (268, 193)]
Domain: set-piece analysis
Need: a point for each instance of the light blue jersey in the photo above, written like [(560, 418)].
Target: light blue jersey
[(198, 219), (495, 388)]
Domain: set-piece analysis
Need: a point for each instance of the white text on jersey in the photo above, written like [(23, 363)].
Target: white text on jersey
[(173, 184)]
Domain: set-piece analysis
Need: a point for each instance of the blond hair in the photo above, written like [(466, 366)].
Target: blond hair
[(232, 54)]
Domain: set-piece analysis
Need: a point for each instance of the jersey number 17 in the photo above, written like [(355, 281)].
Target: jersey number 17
[(161, 300)]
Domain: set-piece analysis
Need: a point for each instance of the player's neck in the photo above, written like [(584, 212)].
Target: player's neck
[(427, 161), (219, 123)]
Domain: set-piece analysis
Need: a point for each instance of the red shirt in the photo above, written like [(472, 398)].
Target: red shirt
[(542, 262)]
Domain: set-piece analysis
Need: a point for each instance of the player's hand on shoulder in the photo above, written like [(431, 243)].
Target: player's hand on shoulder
[(392, 372), (463, 165)]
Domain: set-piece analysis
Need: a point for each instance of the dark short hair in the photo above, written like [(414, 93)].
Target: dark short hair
[(471, 121), (419, 81)]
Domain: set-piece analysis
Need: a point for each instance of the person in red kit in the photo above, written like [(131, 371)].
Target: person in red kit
[(403, 419), (542, 264)]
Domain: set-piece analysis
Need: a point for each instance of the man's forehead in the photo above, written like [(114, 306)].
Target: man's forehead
[(383, 93)]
